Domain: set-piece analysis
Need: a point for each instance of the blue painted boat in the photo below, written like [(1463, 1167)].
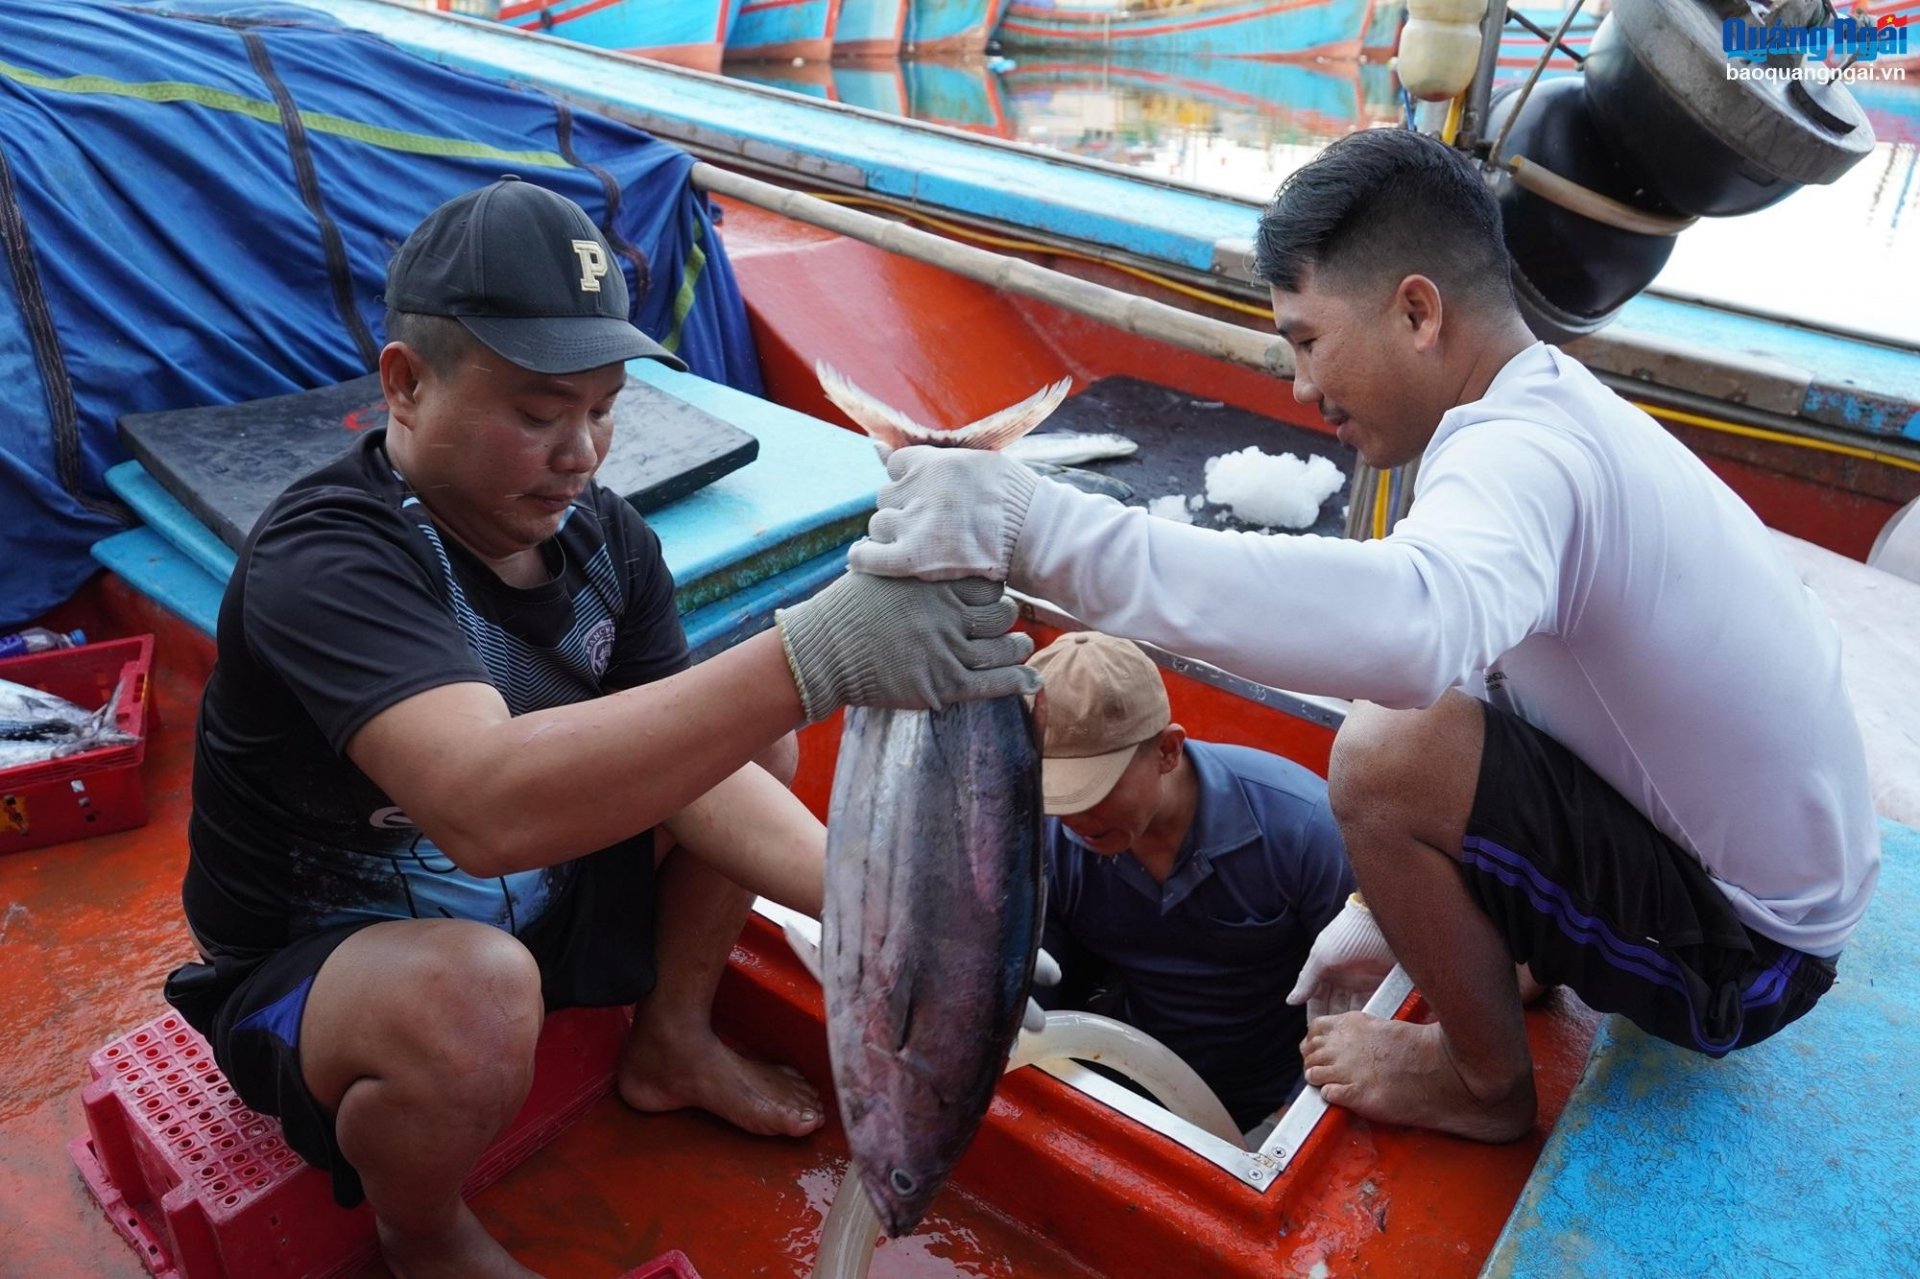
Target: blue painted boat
[(811, 79), (870, 28), (1893, 108), (946, 27), (687, 33), (961, 95), (1382, 36), (876, 86), (1248, 100), (781, 30), (1218, 28)]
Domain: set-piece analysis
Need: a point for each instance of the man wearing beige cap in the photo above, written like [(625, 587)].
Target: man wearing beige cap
[(1189, 878)]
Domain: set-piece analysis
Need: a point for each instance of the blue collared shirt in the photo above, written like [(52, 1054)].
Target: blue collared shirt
[(1206, 959)]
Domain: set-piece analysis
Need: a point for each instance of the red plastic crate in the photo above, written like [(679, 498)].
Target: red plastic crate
[(204, 1188), (91, 793)]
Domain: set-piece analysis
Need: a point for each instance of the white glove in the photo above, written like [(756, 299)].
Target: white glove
[(905, 644), (1348, 962), (947, 513), (1046, 972)]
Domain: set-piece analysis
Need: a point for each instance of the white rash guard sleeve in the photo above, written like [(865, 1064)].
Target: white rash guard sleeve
[(1567, 558)]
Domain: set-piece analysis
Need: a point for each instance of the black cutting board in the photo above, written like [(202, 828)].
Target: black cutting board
[(226, 463)]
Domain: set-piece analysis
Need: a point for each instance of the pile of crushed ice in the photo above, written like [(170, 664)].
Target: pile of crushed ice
[(1272, 492)]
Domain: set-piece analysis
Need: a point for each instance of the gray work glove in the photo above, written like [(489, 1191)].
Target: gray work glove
[(947, 513), (903, 643)]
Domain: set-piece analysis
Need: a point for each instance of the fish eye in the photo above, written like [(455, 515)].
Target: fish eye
[(903, 1182)]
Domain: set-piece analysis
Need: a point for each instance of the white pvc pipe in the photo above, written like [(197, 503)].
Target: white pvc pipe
[(1135, 1054), (852, 1228)]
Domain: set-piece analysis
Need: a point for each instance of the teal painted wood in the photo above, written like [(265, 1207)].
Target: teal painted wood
[(635, 26), (160, 571), (806, 496), (870, 28), (164, 515), (785, 27), (1797, 1157), (810, 490), (725, 623), (1864, 386), (1214, 28)]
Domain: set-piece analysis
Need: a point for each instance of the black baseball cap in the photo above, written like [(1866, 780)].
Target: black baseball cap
[(528, 273)]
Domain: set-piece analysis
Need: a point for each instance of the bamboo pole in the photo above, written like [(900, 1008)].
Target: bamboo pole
[(1138, 315)]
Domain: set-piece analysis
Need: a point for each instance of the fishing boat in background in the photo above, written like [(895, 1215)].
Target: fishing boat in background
[(949, 28), (1893, 107), (811, 79), (964, 94), (687, 33), (781, 30), (1072, 1176), (1250, 104), (874, 85), (1382, 35), (870, 28), (958, 94), (1220, 28), (1527, 30)]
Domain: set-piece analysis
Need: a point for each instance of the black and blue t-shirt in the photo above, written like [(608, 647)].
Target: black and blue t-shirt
[(346, 600)]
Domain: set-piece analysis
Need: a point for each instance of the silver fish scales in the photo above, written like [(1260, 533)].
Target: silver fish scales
[(931, 923), (933, 896)]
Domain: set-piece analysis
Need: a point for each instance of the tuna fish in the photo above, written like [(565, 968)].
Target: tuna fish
[(932, 912)]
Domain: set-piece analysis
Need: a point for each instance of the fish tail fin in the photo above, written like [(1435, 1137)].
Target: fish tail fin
[(997, 430), (890, 428)]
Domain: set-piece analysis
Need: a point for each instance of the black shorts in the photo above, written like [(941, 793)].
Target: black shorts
[(1591, 895), (594, 946)]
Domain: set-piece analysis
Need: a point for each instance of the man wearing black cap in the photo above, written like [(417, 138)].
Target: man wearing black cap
[(452, 733)]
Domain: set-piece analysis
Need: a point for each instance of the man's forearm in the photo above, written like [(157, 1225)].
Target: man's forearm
[(500, 793)]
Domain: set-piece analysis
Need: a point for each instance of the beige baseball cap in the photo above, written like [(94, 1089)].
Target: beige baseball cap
[(1104, 698)]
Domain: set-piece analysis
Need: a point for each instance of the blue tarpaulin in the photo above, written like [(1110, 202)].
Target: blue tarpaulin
[(198, 201)]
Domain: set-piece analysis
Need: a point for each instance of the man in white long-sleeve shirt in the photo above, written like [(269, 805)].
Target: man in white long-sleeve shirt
[(1603, 732)]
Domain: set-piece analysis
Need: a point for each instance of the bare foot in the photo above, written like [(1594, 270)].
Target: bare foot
[(1403, 1073), (757, 1096), (463, 1250)]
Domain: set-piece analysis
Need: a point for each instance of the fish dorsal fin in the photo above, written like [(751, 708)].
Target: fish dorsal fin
[(893, 429)]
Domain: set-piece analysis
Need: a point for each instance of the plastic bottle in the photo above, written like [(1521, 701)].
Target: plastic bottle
[(38, 639), (1439, 47)]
